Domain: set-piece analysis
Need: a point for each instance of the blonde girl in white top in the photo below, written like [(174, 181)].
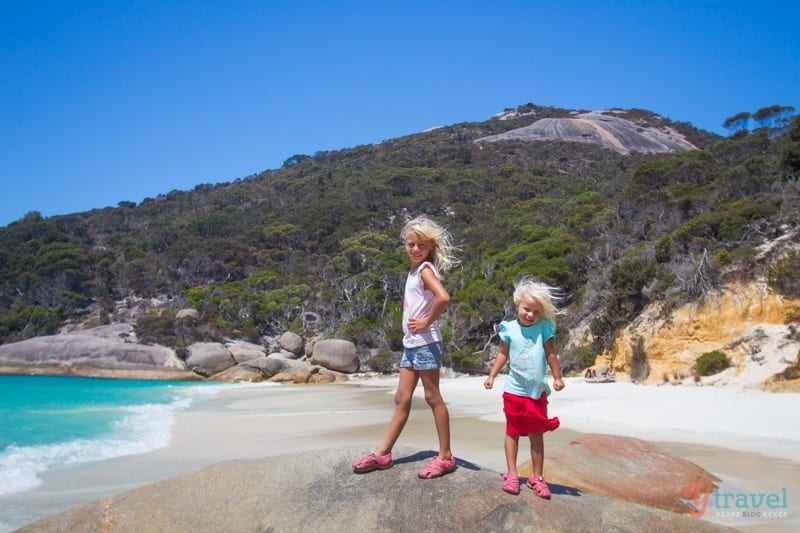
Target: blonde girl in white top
[(430, 251)]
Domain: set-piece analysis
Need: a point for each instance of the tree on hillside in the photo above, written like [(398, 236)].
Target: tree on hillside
[(775, 118), (790, 154), (738, 122), (295, 160)]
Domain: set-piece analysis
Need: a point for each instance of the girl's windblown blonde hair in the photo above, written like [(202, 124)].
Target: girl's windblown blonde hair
[(442, 248), (544, 293)]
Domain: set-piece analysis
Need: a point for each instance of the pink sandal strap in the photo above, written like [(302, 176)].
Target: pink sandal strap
[(371, 462), (511, 484), (539, 487), (437, 468)]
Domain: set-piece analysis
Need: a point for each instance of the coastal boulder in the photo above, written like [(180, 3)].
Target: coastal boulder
[(89, 355), (291, 370), (282, 354), (208, 358), (336, 354), (292, 342), (325, 376), (268, 366), (628, 468), (238, 374), (242, 351), (318, 491)]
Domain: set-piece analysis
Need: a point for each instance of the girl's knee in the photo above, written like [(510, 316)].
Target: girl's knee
[(402, 400), (434, 398)]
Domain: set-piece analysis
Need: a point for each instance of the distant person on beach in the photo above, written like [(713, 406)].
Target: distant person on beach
[(527, 343), (430, 253)]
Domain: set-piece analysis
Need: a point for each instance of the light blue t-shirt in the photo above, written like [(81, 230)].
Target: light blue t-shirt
[(526, 356)]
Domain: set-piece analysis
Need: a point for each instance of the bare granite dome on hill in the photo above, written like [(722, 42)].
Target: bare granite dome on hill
[(600, 127)]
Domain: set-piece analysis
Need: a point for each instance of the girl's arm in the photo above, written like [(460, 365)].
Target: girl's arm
[(440, 300), (552, 360), (499, 363)]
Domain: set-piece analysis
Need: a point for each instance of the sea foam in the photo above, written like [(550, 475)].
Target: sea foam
[(142, 429)]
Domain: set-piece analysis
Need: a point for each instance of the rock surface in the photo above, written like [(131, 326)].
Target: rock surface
[(207, 358), (292, 342), (90, 355), (242, 351), (336, 354), (600, 128), (317, 491), (624, 467)]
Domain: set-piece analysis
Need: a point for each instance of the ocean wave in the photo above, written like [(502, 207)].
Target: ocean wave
[(212, 389), (142, 429)]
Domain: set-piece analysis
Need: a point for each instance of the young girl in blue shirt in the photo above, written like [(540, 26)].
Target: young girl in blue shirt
[(527, 344)]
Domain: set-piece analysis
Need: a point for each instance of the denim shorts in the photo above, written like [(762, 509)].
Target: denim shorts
[(428, 357)]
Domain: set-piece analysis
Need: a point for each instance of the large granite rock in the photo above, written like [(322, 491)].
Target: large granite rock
[(289, 370), (208, 358), (627, 468), (601, 128), (336, 354), (241, 373), (292, 342), (86, 354), (242, 351), (268, 366), (317, 491)]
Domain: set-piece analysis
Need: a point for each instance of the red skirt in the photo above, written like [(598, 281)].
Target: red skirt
[(525, 415)]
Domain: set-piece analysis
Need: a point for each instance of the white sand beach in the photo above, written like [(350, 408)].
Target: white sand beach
[(748, 438)]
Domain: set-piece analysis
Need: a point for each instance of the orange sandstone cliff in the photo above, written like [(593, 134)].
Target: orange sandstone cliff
[(755, 327)]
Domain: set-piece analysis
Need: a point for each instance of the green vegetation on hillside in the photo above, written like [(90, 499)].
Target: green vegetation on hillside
[(321, 235)]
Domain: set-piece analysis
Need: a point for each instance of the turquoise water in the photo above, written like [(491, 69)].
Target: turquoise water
[(50, 421)]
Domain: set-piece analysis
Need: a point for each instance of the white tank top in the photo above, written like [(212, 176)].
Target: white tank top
[(418, 302)]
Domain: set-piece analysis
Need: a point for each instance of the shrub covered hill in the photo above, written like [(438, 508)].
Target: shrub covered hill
[(313, 247)]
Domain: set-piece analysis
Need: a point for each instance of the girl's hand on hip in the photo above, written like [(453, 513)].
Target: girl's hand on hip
[(417, 324)]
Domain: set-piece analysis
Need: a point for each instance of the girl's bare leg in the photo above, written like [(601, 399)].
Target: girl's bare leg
[(537, 454), (511, 447), (402, 407), (441, 416)]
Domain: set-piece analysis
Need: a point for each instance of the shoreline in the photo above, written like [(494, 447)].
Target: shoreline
[(258, 420)]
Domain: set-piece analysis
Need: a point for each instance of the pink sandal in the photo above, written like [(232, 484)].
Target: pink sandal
[(371, 462), (539, 486), (437, 468), (511, 484)]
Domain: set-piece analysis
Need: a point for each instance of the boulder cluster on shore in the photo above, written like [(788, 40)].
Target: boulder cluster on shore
[(114, 351)]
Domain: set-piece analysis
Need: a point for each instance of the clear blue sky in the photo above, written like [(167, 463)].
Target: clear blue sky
[(109, 101)]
